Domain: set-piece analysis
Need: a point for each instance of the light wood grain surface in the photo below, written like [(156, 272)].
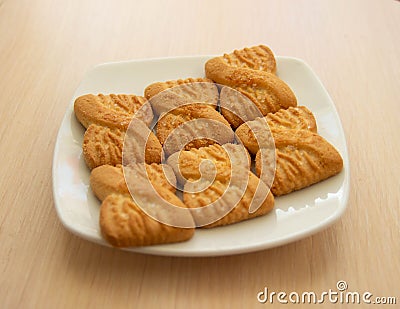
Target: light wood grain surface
[(45, 49)]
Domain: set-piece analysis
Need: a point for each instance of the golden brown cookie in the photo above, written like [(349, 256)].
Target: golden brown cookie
[(141, 145), (211, 161), (103, 145), (255, 195), (158, 87), (295, 118), (267, 91), (124, 224), (192, 126), (165, 96), (113, 110), (256, 58), (302, 159), (107, 179)]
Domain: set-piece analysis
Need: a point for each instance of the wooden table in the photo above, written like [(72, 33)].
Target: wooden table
[(45, 49)]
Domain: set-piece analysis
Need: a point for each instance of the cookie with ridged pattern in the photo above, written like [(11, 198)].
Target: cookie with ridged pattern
[(214, 161), (253, 199), (258, 57), (294, 118), (192, 126), (303, 158), (165, 96), (107, 179), (104, 145), (112, 110), (124, 224)]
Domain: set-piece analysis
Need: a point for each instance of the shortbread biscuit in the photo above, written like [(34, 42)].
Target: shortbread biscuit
[(268, 92), (192, 126), (141, 145), (103, 145), (113, 110), (107, 179), (158, 87), (165, 96), (302, 159), (124, 224), (295, 118), (256, 58), (255, 194), (209, 162)]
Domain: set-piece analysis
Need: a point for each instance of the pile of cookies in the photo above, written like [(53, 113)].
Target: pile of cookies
[(194, 135)]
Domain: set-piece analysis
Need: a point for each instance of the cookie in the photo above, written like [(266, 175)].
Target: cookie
[(254, 194), (265, 90), (165, 96), (302, 159), (256, 58), (104, 145), (294, 118), (124, 224), (192, 126), (112, 110), (214, 161), (141, 145), (107, 179)]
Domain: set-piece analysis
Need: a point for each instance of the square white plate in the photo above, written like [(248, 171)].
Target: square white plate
[(295, 216)]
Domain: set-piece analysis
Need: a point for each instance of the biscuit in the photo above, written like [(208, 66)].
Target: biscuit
[(141, 145), (214, 161), (113, 110), (256, 58), (103, 145), (192, 126), (295, 118), (107, 179), (268, 92), (254, 191), (124, 224), (165, 96), (302, 159)]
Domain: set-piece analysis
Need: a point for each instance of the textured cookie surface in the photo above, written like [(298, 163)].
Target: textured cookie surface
[(256, 58), (113, 110), (266, 91), (124, 224), (248, 191), (192, 126), (103, 145), (158, 87), (302, 159), (251, 71), (165, 96), (107, 179), (214, 161), (141, 145), (294, 118)]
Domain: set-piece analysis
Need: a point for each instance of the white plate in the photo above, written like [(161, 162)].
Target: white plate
[(295, 215)]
